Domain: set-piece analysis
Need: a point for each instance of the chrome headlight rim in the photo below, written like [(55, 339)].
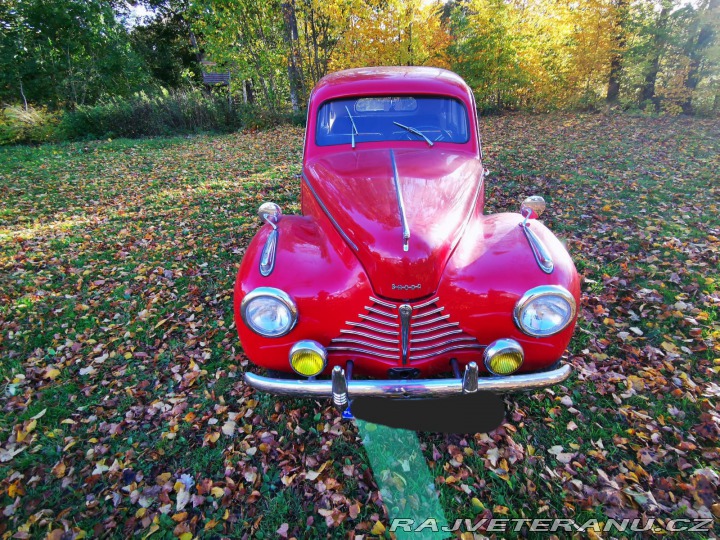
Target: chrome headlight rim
[(276, 294), (501, 346), (309, 345), (539, 292)]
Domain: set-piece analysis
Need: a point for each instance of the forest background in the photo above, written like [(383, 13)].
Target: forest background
[(96, 68)]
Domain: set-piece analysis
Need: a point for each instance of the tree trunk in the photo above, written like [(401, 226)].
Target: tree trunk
[(411, 60), (613, 91), (198, 53), (291, 39), (695, 51), (71, 80), (317, 72), (248, 95), (648, 89), (22, 93)]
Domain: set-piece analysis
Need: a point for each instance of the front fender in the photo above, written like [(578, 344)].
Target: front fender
[(492, 267), (320, 276)]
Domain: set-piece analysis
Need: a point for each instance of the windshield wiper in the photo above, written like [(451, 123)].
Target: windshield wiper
[(415, 131), (355, 129)]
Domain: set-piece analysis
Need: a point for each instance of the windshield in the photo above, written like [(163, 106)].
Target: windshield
[(427, 119)]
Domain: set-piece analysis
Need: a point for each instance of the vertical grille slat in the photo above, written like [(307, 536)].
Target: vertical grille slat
[(377, 332)]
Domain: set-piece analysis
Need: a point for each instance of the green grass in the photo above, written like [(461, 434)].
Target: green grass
[(117, 262)]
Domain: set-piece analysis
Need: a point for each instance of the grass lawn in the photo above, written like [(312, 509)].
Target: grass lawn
[(123, 410)]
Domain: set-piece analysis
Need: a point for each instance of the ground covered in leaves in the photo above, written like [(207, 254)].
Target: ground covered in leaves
[(123, 410)]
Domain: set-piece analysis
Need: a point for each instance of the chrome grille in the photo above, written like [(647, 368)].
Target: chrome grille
[(377, 332)]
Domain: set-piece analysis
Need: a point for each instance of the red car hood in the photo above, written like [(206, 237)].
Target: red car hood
[(439, 190)]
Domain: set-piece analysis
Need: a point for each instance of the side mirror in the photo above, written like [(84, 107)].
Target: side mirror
[(532, 207), (270, 213)]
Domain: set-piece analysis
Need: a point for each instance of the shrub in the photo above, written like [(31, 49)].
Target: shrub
[(166, 113), (34, 125), (254, 117)]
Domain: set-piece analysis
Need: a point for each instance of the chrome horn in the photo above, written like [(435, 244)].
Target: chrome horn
[(270, 213), (534, 204)]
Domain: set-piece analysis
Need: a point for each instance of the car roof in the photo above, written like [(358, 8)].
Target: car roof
[(389, 80)]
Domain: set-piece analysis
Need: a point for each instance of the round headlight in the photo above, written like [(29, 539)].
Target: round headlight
[(269, 312), (544, 311)]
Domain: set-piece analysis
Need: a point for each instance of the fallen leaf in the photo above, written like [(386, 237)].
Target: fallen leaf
[(183, 497), (283, 530), (59, 469), (52, 374), (354, 510)]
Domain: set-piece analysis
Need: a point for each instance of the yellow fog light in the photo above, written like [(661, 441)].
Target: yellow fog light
[(503, 357), (308, 358)]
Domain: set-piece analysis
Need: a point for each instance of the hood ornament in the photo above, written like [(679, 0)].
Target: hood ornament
[(401, 205)]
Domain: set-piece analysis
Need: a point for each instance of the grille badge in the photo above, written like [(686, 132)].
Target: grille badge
[(397, 287)]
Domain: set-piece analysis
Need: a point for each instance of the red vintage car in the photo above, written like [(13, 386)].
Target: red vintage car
[(393, 282)]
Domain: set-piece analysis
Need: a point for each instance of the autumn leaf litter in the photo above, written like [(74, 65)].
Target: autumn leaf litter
[(124, 410)]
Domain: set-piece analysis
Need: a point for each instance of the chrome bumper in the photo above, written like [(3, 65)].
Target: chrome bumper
[(341, 389)]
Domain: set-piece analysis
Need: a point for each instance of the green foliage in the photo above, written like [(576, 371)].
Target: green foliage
[(174, 112), (254, 117), (164, 45), (484, 53), (246, 36), (658, 57), (141, 115), (34, 125), (543, 55), (65, 53)]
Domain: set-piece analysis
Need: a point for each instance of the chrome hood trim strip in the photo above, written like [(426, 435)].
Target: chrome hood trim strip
[(267, 259), (401, 204), (540, 252), (329, 215)]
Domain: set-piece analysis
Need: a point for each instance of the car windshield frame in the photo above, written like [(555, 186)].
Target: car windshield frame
[(424, 118)]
